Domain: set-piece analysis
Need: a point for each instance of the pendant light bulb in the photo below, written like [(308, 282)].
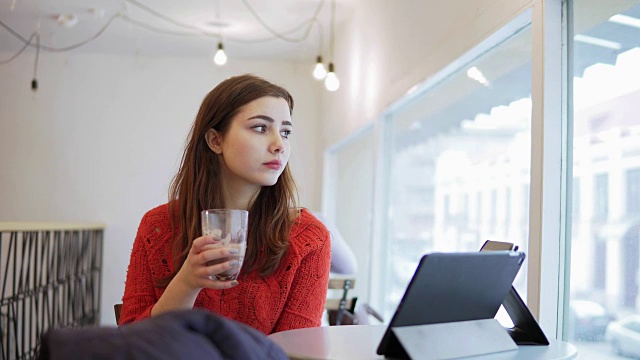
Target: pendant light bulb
[(319, 72), (331, 82), (220, 58)]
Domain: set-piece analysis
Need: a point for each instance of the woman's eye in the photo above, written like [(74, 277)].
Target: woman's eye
[(285, 133), (260, 128)]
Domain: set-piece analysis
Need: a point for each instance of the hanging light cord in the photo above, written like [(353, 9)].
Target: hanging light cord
[(166, 18), (26, 44), (35, 65), (62, 49), (34, 81), (320, 37), (29, 42), (276, 35), (332, 24), (279, 35), (295, 29), (159, 30)]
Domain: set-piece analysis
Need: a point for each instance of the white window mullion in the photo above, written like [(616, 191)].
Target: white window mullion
[(379, 244), (548, 155)]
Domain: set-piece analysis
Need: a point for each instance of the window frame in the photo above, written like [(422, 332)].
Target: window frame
[(551, 156), (551, 152)]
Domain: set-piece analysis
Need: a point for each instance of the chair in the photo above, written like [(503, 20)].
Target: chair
[(341, 310), (116, 309)]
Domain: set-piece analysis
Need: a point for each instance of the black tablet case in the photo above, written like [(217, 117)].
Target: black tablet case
[(448, 287)]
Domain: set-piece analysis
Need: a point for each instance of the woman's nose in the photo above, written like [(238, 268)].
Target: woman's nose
[(277, 145)]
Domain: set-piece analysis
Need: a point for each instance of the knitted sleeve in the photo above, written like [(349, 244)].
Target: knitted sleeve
[(305, 304), (139, 295)]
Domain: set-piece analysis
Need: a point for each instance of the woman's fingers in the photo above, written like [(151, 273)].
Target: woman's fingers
[(199, 244), (212, 253), (219, 266), (208, 259), (221, 285)]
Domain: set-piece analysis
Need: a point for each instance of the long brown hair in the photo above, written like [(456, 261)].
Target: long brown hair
[(198, 186)]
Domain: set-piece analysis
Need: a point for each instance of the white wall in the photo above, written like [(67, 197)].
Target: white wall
[(103, 135)]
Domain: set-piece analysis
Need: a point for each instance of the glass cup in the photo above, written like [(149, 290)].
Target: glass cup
[(228, 227)]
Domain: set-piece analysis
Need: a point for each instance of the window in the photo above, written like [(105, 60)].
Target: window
[(446, 210), (464, 217), (633, 191), (601, 197), (575, 203), (493, 215), (605, 230), (349, 180), (468, 133), (524, 209), (479, 211), (600, 265), (507, 210), (453, 175)]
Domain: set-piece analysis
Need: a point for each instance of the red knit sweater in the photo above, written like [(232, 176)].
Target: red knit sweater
[(292, 297)]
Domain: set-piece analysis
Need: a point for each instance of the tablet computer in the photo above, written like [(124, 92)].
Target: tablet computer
[(448, 287)]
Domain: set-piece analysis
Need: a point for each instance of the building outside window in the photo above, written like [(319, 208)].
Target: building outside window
[(633, 191), (605, 230), (575, 201), (601, 197), (466, 140)]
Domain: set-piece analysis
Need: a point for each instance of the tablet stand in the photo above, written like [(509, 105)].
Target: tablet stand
[(525, 330), (451, 340)]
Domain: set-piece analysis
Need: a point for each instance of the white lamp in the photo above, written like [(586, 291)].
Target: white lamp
[(319, 72), (331, 82), (220, 58)]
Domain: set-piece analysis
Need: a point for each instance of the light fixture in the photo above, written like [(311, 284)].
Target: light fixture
[(67, 20), (625, 20), (475, 74), (220, 58), (598, 42), (331, 82), (319, 72), (34, 82)]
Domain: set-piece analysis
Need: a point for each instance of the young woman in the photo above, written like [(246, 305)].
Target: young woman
[(236, 158)]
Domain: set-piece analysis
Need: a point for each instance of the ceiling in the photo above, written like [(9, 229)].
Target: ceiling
[(299, 29)]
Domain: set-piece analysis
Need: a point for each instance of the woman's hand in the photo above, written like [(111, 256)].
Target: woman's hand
[(205, 260)]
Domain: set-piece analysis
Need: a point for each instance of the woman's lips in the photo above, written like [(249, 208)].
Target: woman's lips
[(275, 165)]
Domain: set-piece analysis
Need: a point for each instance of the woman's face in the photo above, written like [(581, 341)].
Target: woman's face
[(256, 148)]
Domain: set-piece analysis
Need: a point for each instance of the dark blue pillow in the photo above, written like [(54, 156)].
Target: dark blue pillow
[(188, 334)]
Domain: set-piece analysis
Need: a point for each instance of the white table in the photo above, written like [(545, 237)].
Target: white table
[(359, 342)]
